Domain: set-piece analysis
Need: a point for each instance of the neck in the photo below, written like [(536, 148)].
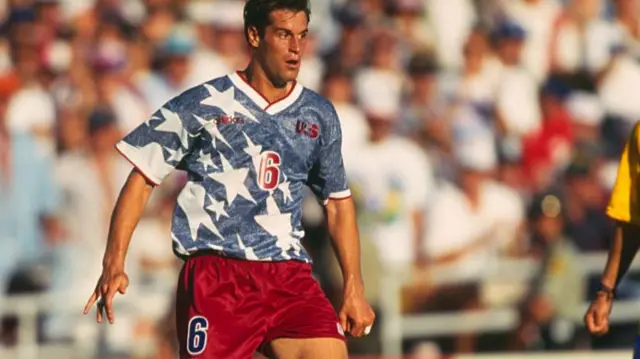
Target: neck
[(260, 81)]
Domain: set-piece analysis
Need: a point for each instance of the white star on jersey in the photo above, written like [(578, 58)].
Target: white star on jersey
[(174, 155), (212, 128), (233, 181), (206, 161), (226, 102), (217, 207), (286, 192), (194, 209), (278, 225), (248, 252), (173, 124), (254, 151)]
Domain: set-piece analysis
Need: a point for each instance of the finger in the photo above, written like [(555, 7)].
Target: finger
[(100, 310), (589, 322), (90, 302), (357, 328), (108, 304), (344, 323)]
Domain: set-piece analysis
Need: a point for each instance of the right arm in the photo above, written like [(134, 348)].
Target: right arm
[(154, 149), (126, 215)]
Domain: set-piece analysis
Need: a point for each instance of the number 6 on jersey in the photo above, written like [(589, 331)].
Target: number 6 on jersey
[(269, 171), (197, 335)]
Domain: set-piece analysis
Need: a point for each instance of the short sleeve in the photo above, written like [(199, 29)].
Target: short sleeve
[(158, 145), (623, 202), (327, 178)]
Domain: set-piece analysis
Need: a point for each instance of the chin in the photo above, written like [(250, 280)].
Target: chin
[(289, 75)]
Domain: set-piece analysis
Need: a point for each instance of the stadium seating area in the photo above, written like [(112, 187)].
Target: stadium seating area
[(486, 131)]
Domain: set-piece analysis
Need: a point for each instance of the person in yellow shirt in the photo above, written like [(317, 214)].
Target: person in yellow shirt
[(624, 208)]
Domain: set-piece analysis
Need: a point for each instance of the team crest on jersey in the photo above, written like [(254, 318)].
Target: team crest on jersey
[(310, 130)]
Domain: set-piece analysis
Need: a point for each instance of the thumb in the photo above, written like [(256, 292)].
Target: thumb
[(343, 320), (122, 288)]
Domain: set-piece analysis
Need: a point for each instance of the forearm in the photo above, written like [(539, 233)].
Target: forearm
[(343, 229), (126, 215), (623, 249)]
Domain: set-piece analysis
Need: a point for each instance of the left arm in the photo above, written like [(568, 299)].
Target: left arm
[(341, 221), (356, 316), (328, 180)]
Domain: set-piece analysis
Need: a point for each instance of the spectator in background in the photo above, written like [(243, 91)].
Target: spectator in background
[(492, 216), (90, 179), (478, 80), (538, 18), (172, 74), (31, 108), (584, 202), (225, 49), (392, 181), (558, 288), (338, 88), (384, 70), (350, 52), (627, 19), (582, 40), (517, 104), (28, 196), (451, 22), (548, 151)]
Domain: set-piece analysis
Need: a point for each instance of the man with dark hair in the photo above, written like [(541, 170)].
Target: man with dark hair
[(249, 141)]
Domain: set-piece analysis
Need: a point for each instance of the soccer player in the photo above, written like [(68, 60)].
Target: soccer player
[(249, 142), (624, 208)]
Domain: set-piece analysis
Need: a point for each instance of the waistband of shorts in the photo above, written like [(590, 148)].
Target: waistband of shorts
[(206, 253)]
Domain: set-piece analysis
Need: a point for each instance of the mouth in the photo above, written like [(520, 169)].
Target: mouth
[(293, 64)]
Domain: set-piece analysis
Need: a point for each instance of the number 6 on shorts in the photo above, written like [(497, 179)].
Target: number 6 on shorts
[(197, 335)]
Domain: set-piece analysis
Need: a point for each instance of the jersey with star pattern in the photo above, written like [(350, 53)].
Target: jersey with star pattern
[(247, 162)]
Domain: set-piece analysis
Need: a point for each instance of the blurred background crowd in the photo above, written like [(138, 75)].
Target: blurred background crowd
[(473, 130)]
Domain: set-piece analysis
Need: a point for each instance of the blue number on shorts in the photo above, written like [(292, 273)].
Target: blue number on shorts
[(197, 335)]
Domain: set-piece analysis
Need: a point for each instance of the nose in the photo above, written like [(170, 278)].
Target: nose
[(294, 45)]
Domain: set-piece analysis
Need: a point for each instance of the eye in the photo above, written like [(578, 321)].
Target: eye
[(283, 35)]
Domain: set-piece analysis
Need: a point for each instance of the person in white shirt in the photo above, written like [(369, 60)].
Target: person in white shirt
[(517, 101), (391, 180), (469, 222)]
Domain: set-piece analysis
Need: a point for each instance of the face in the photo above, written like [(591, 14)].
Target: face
[(510, 50), (280, 49), (470, 181)]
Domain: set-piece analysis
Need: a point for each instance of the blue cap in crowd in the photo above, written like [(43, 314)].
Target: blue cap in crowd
[(509, 29)]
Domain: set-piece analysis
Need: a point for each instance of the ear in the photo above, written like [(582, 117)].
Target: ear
[(253, 36)]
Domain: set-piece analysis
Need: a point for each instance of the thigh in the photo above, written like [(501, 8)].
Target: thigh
[(217, 311), (318, 348)]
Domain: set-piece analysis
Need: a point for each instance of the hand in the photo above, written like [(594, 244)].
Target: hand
[(597, 316), (356, 316), (111, 281)]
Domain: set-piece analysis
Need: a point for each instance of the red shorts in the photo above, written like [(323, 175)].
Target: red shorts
[(231, 308)]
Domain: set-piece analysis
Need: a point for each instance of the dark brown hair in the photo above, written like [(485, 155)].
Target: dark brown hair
[(257, 12)]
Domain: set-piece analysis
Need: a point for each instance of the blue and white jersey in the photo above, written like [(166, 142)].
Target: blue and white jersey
[(247, 163)]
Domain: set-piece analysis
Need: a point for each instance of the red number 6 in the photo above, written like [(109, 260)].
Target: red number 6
[(269, 171)]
